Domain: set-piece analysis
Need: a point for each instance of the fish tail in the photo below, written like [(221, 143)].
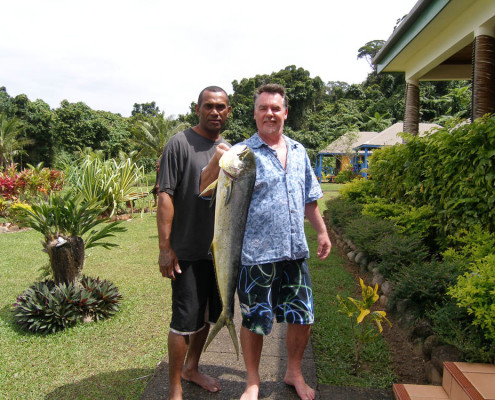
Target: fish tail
[(223, 320), (233, 335)]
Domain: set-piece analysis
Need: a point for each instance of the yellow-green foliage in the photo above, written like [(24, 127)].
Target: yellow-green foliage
[(358, 190), (16, 209), (475, 290)]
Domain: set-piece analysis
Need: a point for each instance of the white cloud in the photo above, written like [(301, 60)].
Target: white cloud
[(111, 54)]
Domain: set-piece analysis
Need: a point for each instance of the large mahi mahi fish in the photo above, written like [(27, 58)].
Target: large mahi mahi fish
[(234, 188)]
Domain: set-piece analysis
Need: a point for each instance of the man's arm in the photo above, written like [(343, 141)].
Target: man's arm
[(312, 212), (210, 172), (167, 260)]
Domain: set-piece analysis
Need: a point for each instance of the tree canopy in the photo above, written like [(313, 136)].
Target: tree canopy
[(319, 113)]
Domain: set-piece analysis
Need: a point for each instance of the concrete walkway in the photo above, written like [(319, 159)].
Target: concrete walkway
[(220, 361)]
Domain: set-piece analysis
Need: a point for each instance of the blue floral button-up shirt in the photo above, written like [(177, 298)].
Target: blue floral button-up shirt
[(275, 222)]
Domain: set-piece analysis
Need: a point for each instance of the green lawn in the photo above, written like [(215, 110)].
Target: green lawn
[(104, 360), (114, 359)]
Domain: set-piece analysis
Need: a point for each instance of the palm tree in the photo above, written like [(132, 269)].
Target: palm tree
[(11, 143), (151, 134), (377, 123)]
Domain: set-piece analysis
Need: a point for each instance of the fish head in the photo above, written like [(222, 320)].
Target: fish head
[(236, 160)]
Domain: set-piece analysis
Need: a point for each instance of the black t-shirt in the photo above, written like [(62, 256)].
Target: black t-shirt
[(184, 157)]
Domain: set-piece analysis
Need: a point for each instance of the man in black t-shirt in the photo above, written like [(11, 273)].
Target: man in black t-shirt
[(185, 230)]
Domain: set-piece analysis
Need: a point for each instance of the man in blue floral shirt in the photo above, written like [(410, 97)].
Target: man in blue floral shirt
[(274, 279)]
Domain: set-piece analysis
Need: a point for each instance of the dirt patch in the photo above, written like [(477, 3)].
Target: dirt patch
[(7, 227), (408, 367)]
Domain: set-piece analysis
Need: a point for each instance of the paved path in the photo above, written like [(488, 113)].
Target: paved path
[(220, 361)]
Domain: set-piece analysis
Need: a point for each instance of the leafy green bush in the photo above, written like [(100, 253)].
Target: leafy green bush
[(15, 211), (450, 169), (424, 285), (417, 220), (47, 308), (341, 211), (381, 208), (366, 232), (475, 290), (396, 251), (453, 325), (345, 176), (470, 245), (358, 190)]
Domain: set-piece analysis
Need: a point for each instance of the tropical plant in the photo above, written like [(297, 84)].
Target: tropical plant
[(475, 291), (68, 224), (151, 134), (110, 182), (362, 332), (47, 307), (11, 141)]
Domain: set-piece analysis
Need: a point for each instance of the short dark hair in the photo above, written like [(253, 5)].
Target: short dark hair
[(272, 88), (215, 89)]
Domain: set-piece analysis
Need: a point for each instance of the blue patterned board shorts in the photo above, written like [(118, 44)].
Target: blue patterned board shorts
[(281, 290)]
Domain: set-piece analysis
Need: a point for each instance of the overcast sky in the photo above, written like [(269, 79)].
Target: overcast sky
[(111, 54)]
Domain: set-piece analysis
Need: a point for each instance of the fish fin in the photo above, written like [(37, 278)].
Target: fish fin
[(231, 327), (228, 192), (211, 186), (222, 320)]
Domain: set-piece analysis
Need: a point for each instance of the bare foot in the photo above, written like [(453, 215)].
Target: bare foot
[(251, 392), (303, 390), (205, 381)]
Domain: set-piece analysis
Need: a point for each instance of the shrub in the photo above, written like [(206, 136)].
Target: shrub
[(16, 210), (470, 245), (475, 290), (29, 183), (345, 176), (341, 211), (451, 170), (396, 252), (365, 232), (381, 208), (47, 308), (453, 325), (424, 285), (358, 190)]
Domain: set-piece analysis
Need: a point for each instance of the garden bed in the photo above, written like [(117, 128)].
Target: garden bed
[(409, 367)]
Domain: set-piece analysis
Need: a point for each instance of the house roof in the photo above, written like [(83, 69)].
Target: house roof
[(387, 137), (390, 136), (343, 145)]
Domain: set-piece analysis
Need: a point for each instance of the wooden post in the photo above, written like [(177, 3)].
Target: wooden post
[(483, 76), (411, 113)]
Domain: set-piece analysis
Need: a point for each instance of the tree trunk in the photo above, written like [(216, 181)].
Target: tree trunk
[(66, 259)]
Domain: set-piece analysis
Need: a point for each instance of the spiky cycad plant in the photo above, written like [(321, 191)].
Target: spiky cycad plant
[(68, 224)]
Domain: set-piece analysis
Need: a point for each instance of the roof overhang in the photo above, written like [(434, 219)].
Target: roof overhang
[(441, 50)]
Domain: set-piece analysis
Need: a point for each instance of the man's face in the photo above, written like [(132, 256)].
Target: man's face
[(270, 113), (213, 111)]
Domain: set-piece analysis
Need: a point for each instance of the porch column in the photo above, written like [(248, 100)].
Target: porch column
[(483, 101), (411, 113)]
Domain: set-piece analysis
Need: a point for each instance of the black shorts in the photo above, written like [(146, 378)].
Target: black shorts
[(195, 297)]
